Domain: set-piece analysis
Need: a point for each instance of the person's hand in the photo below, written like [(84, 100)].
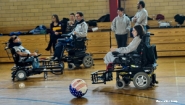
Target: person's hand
[(135, 19), (74, 33), (112, 49), (56, 33), (71, 23), (34, 54)]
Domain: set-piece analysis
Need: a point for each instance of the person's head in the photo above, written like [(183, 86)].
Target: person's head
[(14, 41), (140, 5), (138, 30), (120, 11), (79, 16), (72, 16), (55, 18)]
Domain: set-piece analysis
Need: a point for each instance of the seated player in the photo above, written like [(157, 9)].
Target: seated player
[(138, 33), (79, 31), (15, 42)]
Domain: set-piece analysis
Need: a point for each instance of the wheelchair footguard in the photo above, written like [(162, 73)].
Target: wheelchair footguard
[(74, 61), (54, 67), (142, 79), (21, 73), (100, 76)]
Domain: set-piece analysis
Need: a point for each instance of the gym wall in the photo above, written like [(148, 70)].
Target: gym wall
[(169, 8), (35, 12)]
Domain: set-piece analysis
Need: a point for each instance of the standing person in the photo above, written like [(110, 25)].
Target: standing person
[(121, 26), (71, 23), (141, 17), (55, 31)]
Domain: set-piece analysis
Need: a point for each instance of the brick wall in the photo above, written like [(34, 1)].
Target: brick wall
[(169, 8), (34, 12)]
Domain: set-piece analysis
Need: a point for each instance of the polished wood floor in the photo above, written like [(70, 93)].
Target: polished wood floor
[(55, 91)]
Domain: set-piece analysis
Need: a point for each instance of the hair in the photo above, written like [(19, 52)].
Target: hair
[(121, 9), (10, 41), (12, 38), (72, 14), (80, 13), (142, 3), (57, 18), (140, 30)]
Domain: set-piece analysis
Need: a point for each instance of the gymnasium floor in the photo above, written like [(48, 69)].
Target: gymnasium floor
[(55, 90)]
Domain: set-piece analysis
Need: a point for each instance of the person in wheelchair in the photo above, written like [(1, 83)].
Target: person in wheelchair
[(15, 43), (138, 33), (80, 30)]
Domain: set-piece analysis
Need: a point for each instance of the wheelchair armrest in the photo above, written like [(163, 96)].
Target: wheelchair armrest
[(66, 35), (133, 52), (37, 56), (115, 53), (33, 56), (136, 55), (81, 39), (61, 39), (121, 55)]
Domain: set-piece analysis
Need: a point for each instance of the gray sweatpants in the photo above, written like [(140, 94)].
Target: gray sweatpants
[(109, 58)]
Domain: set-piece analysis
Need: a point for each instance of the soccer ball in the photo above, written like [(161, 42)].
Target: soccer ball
[(78, 88)]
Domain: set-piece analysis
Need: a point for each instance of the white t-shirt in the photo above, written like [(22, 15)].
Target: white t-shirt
[(21, 49)]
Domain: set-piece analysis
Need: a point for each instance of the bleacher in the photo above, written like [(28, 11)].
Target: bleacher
[(169, 41)]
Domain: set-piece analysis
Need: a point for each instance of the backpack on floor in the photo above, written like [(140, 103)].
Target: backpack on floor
[(41, 29)]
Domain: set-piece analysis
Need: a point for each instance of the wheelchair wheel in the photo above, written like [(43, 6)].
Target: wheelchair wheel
[(87, 61), (71, 66), (127, 82), (141, 80), (120, 84), (21, 75)]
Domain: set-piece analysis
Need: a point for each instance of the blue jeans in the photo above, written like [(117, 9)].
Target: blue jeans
[(59, 48), (35, 62)]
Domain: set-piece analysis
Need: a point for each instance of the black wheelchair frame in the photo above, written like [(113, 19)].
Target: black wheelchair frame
[(131, 69), (22, 70), (76, 50)]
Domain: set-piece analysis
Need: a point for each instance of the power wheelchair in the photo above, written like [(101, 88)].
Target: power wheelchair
[(137, 66), (76, 52), (23, 69)]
